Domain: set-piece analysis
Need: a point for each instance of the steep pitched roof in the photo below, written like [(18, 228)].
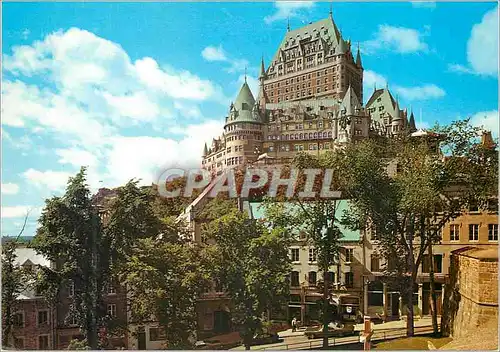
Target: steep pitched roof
[(326, 29), (350, 101), (243, 108)]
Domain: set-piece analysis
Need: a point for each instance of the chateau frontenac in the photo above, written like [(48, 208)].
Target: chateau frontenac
[(310, 99)]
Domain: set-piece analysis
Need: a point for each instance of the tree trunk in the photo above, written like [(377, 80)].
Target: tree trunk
[(409, 307), (433, 292), (325, 306), (411, 262)]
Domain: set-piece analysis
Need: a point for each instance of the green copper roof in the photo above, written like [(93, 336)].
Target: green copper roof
[(243, 108), (258, 212), (325, 29)]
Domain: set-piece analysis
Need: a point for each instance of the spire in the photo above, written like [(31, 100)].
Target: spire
[(331, 11), (245, 74), (205, 150), (411, 123), (288, 24), (374, 86), (358, 58), (262, 70)]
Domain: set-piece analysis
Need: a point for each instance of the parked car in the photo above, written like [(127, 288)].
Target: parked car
[(340, 330), (266, 338)]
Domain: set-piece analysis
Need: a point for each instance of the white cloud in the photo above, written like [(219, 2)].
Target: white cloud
[(212, 53), (482, 48), (90, 90), (372, 79), (19, 211), (144, 157), (77, 157), (10, 188), (288, 9), (94, 81), (424, 92), (49, 180), (487, 119), (424, 4), (399, 39)]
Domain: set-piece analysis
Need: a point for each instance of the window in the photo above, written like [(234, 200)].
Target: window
[(375, 263), (111, 288), (438, 263), (349, 280), (294, 279), (473, 232), (331, 277), (492, 232), (312, 254), (43, 317), (111, 310), (43, 342), (71, 285), (73, 321), (312, 277), (454, 232), (18, 319), (349, 255), (295, 254), (157, 334)]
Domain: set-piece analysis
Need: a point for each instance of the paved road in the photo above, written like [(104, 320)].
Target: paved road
[(298, 341)]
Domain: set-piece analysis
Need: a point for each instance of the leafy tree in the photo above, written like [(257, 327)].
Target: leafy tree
[(252, 266), (164, 281), (409, 207), (13, 278), (70, 235), (316, 218)]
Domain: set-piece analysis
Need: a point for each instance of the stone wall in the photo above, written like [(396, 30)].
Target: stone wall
[(471, 295)]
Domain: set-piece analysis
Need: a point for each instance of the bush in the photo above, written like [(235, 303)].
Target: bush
[(78, 345)]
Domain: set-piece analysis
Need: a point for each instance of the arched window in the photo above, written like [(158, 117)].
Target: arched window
[(330, 134), (325, 134), (315, 134), (300, 136), (296, 136), (310, 135), (312, 278), (286, 137)]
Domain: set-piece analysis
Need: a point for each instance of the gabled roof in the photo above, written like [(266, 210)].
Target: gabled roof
[(382, 93)]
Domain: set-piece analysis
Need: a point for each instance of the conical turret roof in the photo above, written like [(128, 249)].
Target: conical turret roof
[(245, 96), (358, 58), (243, 107), (350, 101), (411, 123)]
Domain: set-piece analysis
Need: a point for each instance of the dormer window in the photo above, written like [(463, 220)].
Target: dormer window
[(245, 106)]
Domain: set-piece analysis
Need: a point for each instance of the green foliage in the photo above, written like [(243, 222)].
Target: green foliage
[(165, 280), (77, 345), (251, 263), (12, 285)]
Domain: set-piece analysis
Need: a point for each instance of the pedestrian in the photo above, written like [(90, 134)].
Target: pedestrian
[(294, 324)]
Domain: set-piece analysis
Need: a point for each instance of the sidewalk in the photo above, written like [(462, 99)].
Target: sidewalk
[(288, 333), (395, 324)]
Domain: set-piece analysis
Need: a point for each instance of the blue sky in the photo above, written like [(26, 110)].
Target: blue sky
[(131, 88)]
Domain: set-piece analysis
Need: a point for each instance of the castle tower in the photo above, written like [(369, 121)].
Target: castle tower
[(313, 62), (243, 129)]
